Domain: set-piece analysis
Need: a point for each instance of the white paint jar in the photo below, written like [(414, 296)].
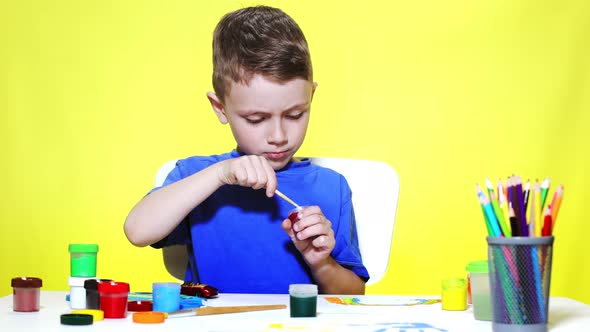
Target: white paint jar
[(77, 292)]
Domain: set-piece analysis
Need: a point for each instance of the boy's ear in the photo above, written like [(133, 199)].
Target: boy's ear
[(217, 106), (313, 87)]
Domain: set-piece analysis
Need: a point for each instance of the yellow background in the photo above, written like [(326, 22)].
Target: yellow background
[(96, 95)]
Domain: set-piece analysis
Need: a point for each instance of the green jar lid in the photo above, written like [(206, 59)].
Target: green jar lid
[(477, 267), (76, 319), (83, 248)]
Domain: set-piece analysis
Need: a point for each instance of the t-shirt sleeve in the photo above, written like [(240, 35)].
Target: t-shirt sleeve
[(181, 234), (346, 251)]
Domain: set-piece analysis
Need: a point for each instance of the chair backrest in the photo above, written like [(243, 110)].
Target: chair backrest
[(375, 191), (175, 257)]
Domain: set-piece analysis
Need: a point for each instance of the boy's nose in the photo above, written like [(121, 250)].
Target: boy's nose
[(277, 135)]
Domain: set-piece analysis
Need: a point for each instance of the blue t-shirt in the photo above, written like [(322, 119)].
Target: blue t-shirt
[(237, 241)]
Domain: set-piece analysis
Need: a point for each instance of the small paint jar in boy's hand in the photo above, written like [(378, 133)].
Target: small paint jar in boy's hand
[(294, 215), (26, 294), (113, 298)]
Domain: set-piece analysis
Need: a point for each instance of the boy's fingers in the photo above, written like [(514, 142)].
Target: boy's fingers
[(310, 219), (310, 231), (239, 174), (310, 210), (287, 227), (261, 178), (322, 241), (251, 167), (271, 178), (252, 171)]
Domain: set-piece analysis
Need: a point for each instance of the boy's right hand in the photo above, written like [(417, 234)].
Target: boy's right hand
[(248, 171)]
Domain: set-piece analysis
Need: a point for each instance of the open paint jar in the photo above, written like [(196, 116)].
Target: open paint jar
[(303, 299), (26, 293), (454, 294), (113, 298), (479, 284), (294, 215)]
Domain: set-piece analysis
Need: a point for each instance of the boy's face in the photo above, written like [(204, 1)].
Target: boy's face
[(267, 118)]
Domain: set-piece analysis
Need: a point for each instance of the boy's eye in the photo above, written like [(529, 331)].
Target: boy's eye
[(295, 116), (254, 120)]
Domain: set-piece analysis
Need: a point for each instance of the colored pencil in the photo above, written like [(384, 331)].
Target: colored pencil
[(538, 281), (538, 208), (514, 214), (519, 208), (547, 222), (555, 204), (526, 194), (532, 214), (487, 220), (504, 205), (497, 210), (509, 189), (513, 221), (544, 189), (489, 211)]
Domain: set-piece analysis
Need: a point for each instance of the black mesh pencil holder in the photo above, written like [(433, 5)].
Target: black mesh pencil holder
[(520, 276)]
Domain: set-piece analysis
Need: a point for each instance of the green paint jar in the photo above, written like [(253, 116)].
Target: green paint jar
[(303, 300), (479, 282), (83, 260)]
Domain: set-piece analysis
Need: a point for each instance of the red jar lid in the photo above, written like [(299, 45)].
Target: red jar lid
[(113, 287), (26, 282), (140, 306)]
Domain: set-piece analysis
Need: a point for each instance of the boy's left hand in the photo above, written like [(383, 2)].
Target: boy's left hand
[(312, 235)]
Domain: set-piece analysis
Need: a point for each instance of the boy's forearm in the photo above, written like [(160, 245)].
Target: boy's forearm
[(158, 213), (333, 278)]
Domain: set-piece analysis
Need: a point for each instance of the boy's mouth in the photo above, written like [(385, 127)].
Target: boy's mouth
[(276, 156)]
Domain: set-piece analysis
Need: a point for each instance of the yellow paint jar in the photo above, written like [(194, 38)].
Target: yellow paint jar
[(454, 294)]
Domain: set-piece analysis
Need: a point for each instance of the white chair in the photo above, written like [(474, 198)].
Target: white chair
[(375, 190)]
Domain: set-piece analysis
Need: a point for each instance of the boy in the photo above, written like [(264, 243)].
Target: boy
[(223, 206)]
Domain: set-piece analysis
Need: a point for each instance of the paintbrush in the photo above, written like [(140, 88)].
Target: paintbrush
[(204, 311), (283, 196)]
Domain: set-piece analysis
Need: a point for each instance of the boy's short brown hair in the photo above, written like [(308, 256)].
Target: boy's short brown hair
[(258, 40)]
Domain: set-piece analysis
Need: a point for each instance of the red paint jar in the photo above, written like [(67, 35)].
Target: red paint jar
[(113, 298), (294, 216), (26, 293)]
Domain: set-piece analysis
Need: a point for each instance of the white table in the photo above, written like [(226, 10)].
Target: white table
[(564, 315)]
